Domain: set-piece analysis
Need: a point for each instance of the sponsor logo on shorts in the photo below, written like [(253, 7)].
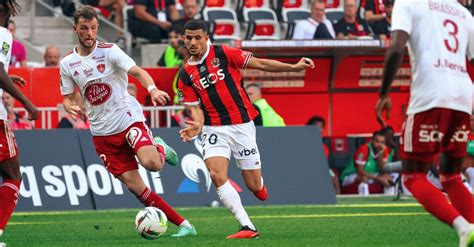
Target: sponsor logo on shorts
[(248, 152), (98, 93), (431, 136), (133, 135)]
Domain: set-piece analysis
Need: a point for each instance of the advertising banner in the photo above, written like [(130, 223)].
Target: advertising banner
[(62, 171)]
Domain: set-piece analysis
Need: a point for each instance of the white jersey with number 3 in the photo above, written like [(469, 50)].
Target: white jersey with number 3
[(441, 35), (102, 80)]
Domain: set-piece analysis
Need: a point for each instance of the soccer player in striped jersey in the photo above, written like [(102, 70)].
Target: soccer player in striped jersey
[(211, 88)]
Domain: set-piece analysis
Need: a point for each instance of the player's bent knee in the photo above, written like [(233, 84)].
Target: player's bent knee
[(218, 178), (153, 165)]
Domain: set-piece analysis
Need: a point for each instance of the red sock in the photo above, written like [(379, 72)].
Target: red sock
[(150, 198), (9, 191), (459, 195), (161, 151), (430, 197)]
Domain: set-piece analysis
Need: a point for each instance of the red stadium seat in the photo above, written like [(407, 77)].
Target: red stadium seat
[(217, 4), (224, 23), (262, 23)]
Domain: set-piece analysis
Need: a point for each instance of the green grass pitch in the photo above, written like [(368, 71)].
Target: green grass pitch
[(352, 222)]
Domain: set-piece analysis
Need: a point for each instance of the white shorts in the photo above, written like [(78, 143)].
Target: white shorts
[(238, 140)]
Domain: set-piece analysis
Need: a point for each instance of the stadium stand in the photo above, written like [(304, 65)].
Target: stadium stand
[(223, 23)]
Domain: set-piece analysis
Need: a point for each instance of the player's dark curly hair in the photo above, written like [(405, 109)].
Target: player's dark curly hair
[(9, 7)]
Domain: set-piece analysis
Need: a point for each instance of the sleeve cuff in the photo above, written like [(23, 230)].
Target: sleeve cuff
[(247, 60)]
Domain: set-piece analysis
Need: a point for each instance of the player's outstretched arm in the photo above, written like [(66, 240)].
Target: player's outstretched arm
[(271, 65), (194, 126), (158, 97), (7, 85), (393, 61)]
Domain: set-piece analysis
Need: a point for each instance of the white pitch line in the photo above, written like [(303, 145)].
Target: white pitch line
[(295, 216), (337, 215)]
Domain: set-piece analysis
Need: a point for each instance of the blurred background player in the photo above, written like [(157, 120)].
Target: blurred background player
[(117, 123), (438, 115), (9, 164), (366, 166), (267, 117), (211, 78)]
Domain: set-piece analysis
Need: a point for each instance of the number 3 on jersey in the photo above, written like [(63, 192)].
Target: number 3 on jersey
[(452, 44)]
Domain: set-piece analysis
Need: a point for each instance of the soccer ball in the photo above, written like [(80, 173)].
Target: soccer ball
[(151, 223)]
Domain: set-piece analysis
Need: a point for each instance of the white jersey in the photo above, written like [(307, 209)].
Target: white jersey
[(6, 40), (102, 80), (441, 33)]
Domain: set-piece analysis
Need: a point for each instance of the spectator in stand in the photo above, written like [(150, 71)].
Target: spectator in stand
[(117, 6), (317, 26), (152, 19), (171, 57), (267, 117), (321, 123), (383, 28), (374, 11), (190, 9), (350, 26), (16, 121), (18, 58), (51, 56), (367, 164)]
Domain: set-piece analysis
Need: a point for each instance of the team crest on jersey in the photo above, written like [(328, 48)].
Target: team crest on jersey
[(98, 93), (5, 48), (215, 62), (101, 67)]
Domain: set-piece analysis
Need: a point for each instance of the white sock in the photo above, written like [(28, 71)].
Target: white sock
[(461, 225), (389, 190), (231, 199), (363, 189), (186, 224), (261, 185)]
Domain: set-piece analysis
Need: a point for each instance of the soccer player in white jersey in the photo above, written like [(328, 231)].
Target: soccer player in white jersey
[(99, 70), (9, 164), (440, 34)]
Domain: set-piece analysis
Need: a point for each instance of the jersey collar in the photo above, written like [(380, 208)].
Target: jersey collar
[(203, 57), (90, 54)]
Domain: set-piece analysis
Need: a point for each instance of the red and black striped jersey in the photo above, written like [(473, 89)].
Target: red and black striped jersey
[(215, 82)]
